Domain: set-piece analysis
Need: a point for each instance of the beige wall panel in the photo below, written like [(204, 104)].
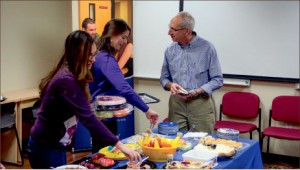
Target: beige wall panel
[(32, 40)]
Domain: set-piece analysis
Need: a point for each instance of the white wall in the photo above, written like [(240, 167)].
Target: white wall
[(265, 90), (32, 40)]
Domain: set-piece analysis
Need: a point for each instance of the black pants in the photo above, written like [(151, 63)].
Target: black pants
[(112, 126)]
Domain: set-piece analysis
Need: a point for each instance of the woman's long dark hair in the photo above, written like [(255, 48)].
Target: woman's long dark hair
[(78, 47), (113, 27)]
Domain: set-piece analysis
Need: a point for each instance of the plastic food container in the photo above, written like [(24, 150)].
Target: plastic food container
[(230, 134), (123, 112), (168, 128), (104, 103), (104, 114), (205, 157)]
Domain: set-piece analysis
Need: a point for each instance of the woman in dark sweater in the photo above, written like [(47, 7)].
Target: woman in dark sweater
[(65, 100)]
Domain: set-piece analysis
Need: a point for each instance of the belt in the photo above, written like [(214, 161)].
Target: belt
[(199, 96)]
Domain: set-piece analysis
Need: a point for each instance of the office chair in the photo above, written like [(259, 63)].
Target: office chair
[(240, 106), (29, 116), (33, 112), (8, 123), (284, 109)]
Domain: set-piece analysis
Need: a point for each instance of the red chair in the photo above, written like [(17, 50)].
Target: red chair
[(239, 106), (284, 109)]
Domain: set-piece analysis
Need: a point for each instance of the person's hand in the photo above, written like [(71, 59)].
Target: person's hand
[(2, 166), (130, 153), (175, 88), (152, 116)]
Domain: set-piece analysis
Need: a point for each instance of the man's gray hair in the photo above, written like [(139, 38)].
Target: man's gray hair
[(188, 20)]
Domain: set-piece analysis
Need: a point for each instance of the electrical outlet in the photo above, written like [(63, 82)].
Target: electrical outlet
[(297, 86)]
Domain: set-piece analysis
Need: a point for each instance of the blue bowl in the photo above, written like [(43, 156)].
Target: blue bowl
[(168, 128)]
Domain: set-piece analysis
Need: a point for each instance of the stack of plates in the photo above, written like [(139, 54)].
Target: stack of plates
[(230, 134), (168, 128)]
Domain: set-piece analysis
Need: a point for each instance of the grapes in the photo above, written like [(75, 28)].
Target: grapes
[(87, 164)]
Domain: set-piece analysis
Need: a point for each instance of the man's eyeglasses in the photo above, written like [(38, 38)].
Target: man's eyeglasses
[(175, 30)]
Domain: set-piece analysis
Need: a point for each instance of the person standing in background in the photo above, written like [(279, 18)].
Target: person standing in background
[(65, 100), (125, 57), (108, 78), (88, 25), (191, 71)]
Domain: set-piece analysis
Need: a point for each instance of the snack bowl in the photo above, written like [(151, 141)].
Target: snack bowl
[(158, 154), (168, 128)]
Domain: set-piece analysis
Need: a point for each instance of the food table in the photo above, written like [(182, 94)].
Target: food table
[(249, 157)]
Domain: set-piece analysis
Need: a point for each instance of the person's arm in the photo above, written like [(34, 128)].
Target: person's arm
[(127, 53), (215, 74), (165, 76), (73, 97), (113, 74), (82, 109), (128, 152)]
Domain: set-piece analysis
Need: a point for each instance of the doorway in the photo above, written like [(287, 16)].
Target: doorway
[(104, 10)]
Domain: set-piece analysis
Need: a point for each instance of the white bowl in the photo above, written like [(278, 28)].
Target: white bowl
[(71, 167)]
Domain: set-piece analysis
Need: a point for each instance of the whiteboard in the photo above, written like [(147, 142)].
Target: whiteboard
[(253, 38), (150, 35)]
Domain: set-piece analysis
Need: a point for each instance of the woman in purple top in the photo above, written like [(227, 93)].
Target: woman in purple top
[(65, 100), (108, 78)]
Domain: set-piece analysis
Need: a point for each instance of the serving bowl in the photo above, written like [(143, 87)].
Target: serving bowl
[(159, 154)]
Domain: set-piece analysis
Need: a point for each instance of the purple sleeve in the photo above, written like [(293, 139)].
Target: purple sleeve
[(78, 104), (112, 72)]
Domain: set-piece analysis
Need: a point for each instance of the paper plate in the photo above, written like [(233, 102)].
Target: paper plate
[(71, 167)]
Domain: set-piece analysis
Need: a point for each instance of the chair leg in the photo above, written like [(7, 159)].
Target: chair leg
[(259, 135), (250, 135), (262, 142), (19, 146), (268, 144)]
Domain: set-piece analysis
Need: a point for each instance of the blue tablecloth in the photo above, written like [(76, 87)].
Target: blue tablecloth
[(249, 157)]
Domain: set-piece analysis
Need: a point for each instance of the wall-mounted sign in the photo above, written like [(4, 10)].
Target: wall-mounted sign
[(103, 7)]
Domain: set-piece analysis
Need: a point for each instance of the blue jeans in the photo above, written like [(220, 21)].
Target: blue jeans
[(41, 157)]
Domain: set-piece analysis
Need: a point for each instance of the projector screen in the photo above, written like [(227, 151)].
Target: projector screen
[(256, 39)]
